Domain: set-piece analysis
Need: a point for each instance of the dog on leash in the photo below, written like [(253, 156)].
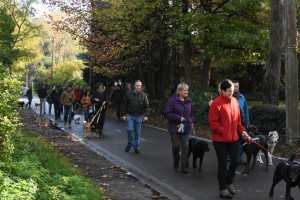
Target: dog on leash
[(21, 103), (253, 149), (272, 137), (198, 148), (289, 171), (77, 119), (86, 129)]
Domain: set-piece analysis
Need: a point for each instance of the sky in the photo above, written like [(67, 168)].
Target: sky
[(41, 8)]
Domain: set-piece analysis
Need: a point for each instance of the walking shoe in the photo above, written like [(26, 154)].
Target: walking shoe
[(176, 164), (127, 148), (231, 189), (224, 194), (184, 169), (69, 126), (65, 124), (137, 150)]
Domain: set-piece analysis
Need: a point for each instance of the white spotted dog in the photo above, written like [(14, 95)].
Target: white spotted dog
[(273, 137)]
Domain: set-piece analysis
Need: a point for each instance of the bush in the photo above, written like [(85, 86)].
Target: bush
[(39, 172), (201, 114), (9, 89), (268, 118)]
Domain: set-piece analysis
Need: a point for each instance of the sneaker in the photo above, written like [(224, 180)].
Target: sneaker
[(184, 169), (224, 194), (231, 189), (137, 150), (176, 164), (127, 148), (65, 124), (69, 126)]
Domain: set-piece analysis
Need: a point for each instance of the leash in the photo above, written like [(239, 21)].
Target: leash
[(181, 128), (269, 152), (96, 115), (100, 112), (76, 103), (249, 127)]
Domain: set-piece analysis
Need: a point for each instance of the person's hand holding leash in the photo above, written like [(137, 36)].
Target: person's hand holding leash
[(246, 137), (145, 119), (124, 118)]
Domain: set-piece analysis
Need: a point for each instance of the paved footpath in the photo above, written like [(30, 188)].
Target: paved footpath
[(153, 165)]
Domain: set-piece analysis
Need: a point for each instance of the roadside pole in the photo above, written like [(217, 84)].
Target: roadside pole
[(291, 67)]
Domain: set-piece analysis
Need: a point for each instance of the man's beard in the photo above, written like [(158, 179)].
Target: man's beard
[(236, 94)]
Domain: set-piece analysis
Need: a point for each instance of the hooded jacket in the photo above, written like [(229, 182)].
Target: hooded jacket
[(225, 120), (176, 109)]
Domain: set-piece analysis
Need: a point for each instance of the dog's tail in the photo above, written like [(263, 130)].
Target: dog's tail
[(292, 158)]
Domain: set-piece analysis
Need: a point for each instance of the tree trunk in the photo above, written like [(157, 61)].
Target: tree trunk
[(187, 49), (204, 74), (272, 77)]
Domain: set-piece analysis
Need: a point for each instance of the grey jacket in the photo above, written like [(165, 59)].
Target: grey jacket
[(135, 103)]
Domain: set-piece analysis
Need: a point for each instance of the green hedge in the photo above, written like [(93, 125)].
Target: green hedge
[(9, 89), (268, 118), (39, 172)]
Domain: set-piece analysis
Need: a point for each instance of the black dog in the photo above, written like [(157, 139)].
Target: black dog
[(198, 148), (21, 103), (289, 172), (252, 150)]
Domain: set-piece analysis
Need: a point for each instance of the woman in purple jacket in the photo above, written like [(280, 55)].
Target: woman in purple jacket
[(180, 110)]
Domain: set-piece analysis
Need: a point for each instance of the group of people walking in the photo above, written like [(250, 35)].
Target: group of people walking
[(224, 119)]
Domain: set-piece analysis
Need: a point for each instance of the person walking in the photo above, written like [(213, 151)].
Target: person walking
[(100, 99), (244, 115), (117, 97), (77, 103), (49, 100), (55, 99), (67, 98), (180, 112), (225, 121), (29, 97), (135, 106), (86, 102), (42, 93)]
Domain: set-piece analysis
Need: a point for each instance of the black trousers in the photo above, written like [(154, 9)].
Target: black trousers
[(226, 176), (57, 109), (118, 109), (101, 121)]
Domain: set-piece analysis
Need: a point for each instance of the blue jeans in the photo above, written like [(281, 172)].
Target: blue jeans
[(134, 124), (67, 113), (86, 115)]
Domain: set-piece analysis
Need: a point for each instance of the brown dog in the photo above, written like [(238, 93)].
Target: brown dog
[(86, 128)]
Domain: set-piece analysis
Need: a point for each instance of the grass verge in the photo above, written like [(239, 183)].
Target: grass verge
[(37, 171)]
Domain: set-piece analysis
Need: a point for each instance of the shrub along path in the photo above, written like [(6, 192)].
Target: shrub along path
[(114, 182)]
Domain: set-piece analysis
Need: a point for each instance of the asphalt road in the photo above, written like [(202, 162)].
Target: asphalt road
[(154, 165)]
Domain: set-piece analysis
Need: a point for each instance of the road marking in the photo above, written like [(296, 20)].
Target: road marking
[(142, 139), (118, 130)]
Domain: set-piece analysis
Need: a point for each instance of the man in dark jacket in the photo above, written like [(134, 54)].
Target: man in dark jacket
[(29, 97), (117, 98), (99, 98), (135, 106), (55, 99), (42, 93)]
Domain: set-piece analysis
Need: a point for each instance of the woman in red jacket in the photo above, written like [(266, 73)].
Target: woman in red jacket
[(225, 121)]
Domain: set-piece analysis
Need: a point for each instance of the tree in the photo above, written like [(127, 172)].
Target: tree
[(272, 77), (20, 12)]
